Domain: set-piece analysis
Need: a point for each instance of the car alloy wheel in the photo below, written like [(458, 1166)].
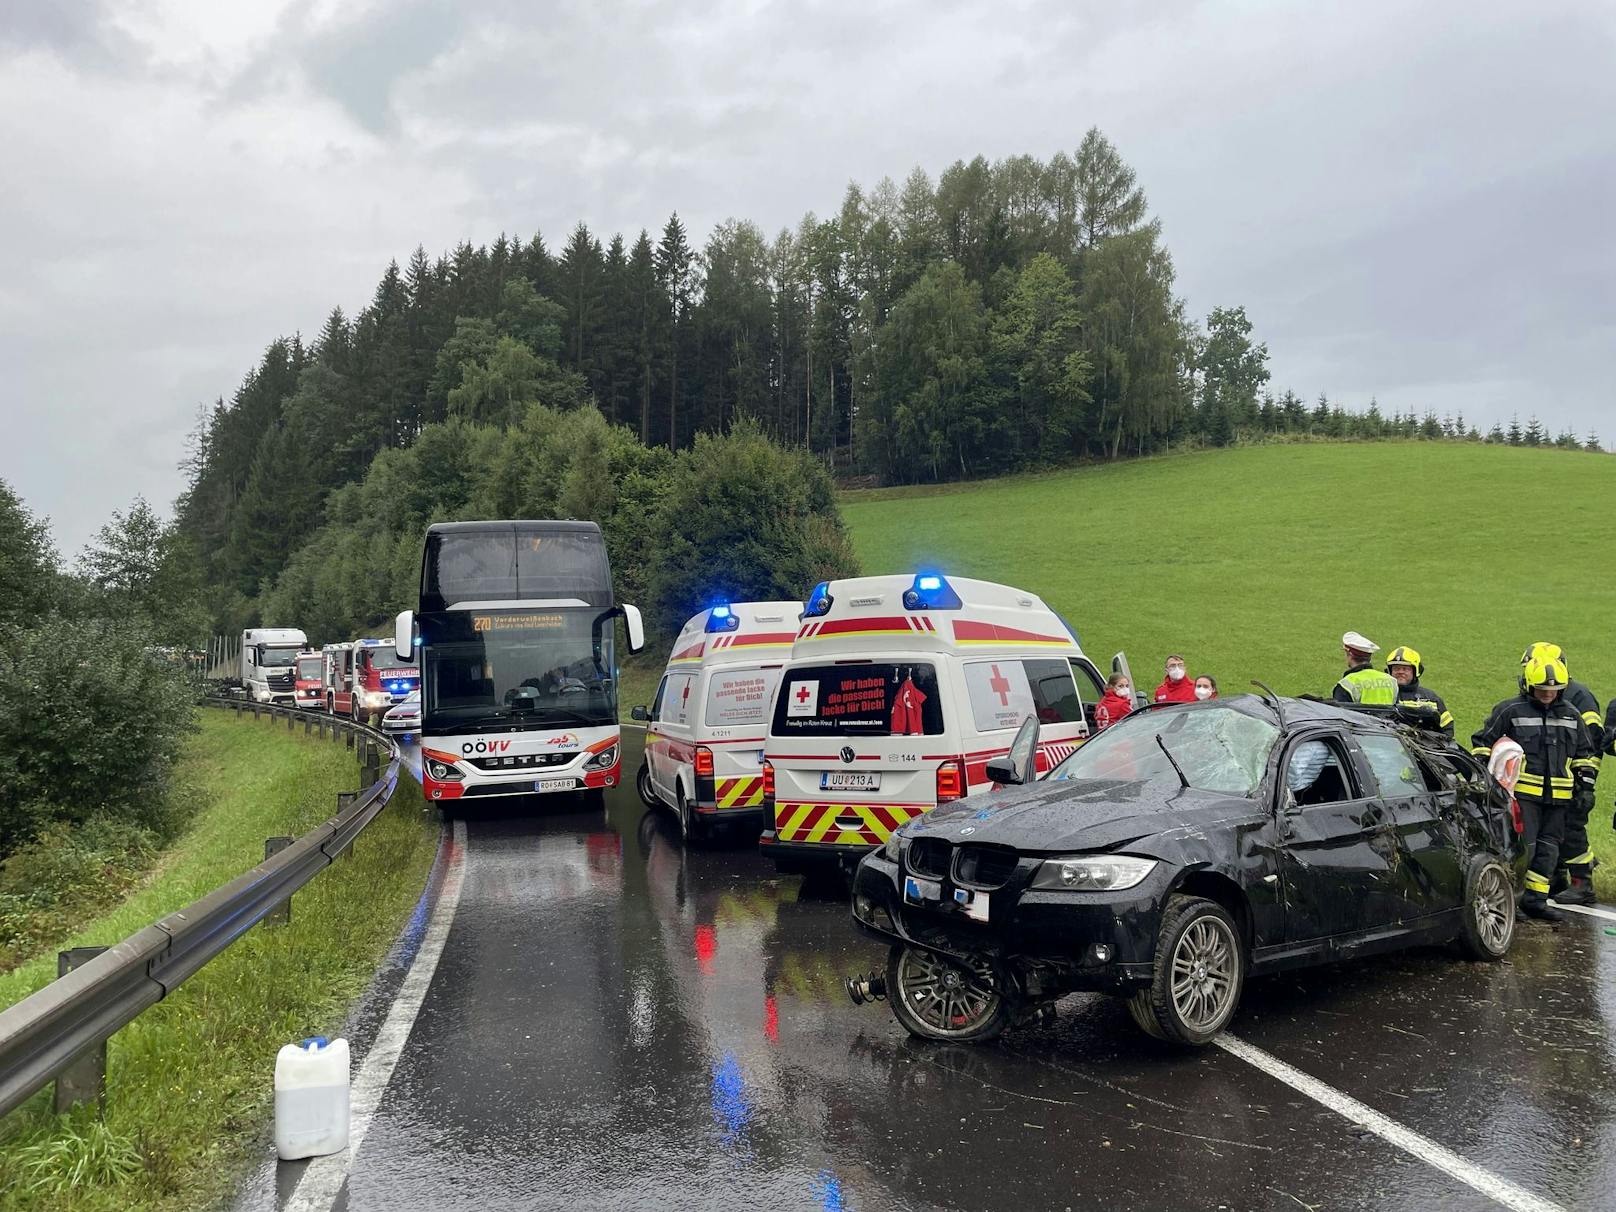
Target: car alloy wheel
[(1203, 974), (1197, 974), (1488, 925), (940, 998)]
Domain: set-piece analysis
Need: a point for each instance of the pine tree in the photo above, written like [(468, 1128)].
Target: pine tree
[(648, 306), (673, 261), (1535, 434), (1592, 443), (1515, 436)]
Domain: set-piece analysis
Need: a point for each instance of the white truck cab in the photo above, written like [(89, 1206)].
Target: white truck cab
[(269, 663), (899, 691), (704, 732)]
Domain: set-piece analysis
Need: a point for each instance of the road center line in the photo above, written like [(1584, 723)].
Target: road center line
[(1585, 909), (1494, 1186), (317, 1190)]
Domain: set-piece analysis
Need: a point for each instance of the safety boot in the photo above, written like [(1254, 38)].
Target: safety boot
[(1580, 890), (1536, 905)]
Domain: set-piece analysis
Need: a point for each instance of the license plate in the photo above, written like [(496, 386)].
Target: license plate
[(973, 904), (849, 780), (917, 891), (555, 784)]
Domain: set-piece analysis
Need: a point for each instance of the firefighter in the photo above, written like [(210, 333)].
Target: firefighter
[(1558, 757), (1362, 682), (1415, 699), (1573, 883)]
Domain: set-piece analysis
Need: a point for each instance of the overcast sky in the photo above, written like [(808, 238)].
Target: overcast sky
[(1412, 201)]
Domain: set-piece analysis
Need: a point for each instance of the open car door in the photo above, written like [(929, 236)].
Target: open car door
[(1119, 664)]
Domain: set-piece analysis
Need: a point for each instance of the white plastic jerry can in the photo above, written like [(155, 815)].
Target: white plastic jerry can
[(311, 1098)]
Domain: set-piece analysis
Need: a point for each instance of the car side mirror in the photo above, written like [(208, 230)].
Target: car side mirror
[(1003, 770), (640, 713)]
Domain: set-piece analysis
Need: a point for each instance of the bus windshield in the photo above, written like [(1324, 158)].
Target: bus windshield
[(516, 669)]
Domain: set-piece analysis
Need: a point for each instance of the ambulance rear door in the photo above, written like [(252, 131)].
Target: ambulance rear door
[(736, 700)]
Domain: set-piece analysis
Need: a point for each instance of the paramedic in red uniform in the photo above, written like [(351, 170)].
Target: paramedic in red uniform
[(1115, 703), (1175, 687)]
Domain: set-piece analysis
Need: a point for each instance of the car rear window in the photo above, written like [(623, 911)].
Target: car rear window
[(740, 697), (864, 699)]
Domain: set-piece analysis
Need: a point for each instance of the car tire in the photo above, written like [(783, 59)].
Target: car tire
[(691, 829), (1198, 974), (1487, 923), (974, 1009), (642, 784)]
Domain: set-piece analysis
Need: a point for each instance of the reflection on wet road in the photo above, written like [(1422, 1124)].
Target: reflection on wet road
[(619, 1023)]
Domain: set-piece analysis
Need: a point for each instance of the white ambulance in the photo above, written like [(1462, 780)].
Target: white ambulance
[(704, 731), (898, 693)]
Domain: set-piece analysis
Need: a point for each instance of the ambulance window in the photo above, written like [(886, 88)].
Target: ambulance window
[(740, 697), (1000, 696), (676, 702), (656, 703), (1054, 694), (1089, 680)]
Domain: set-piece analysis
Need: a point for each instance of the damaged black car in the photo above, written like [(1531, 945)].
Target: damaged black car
[(1180, 851)]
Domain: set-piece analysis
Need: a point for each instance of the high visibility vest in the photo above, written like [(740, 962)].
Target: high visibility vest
[(1370, 686)]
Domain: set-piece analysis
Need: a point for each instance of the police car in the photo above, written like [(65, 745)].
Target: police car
[(704, 731), (899, 692)]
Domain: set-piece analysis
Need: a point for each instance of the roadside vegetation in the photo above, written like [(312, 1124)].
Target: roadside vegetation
[(1252, 562), (190, 1081)]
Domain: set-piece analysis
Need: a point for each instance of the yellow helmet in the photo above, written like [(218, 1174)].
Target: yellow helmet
[(1404, 655), (1542, 649), (1544, 671)]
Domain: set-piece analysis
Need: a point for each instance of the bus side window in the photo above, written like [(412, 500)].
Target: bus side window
[(656, 703)]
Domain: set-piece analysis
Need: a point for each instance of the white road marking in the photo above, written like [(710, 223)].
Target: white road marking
[(1585, 909), (1493, 1186), (321, 1182)]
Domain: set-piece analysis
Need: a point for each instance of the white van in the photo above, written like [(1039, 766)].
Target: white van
[(898, 693), (704, 732)]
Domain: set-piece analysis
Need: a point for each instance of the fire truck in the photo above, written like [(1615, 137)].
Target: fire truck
[(366, 677)]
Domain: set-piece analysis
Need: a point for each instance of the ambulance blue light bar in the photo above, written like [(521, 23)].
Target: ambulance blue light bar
[(722, 618), (818, 601), (931, 591)]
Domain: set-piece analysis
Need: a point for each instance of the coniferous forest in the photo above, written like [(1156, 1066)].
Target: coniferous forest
[(1007, 316)]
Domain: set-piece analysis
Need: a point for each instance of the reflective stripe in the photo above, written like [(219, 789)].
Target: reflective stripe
[(1446, 721), (1591, 718), (1587, 856), (1535, 882), (1481, 750)]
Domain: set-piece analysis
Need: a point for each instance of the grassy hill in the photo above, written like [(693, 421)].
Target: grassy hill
[(1252, 562)]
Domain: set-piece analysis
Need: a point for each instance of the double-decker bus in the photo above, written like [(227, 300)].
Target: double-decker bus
[(515, 637)]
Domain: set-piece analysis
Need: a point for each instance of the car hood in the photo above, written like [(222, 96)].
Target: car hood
[(1073, 815)]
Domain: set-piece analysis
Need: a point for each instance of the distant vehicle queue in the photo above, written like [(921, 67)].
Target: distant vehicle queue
[(831, 725), (361, 679)]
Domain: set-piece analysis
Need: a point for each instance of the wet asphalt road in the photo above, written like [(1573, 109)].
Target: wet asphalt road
[(618, 1023)]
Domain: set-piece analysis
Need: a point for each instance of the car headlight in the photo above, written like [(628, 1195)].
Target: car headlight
[(604, 760), (893, 849), (442, 771), (1093, 872)]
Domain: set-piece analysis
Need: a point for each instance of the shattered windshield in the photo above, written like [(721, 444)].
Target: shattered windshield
[(1218, 748)]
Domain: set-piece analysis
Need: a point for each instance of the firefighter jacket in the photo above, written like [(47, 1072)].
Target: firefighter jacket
[(1181, 691), (1425, 706), (1366, 684), (1587, 705), (1558, 751)]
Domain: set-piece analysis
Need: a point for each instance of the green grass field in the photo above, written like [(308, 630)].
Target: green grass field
[(1252, 562), (190, 1081)]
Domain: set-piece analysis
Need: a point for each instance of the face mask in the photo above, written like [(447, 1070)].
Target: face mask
[(1124, 689), (1203, 692), (1175, 672)]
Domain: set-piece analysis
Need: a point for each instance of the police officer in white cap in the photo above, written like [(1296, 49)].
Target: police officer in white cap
[(1362, 682)]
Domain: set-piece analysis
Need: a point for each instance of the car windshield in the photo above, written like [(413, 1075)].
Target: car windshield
[(276, 658), (386, 657), (309, 668), (1218, 748)]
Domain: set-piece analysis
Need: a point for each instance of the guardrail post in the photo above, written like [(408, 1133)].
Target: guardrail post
[(348, 737), (255, 711), (308, 726), (238, 710), (281, 914), (345, 800), (85, 1080), (291, 721)]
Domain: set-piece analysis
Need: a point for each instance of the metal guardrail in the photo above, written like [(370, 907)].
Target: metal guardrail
[(73, 1016)]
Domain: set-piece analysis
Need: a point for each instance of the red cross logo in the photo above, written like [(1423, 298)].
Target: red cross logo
[(802, 695), (1000, 685)]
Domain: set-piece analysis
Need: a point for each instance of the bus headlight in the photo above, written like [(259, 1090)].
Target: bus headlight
[(604, 760), (442, 771)]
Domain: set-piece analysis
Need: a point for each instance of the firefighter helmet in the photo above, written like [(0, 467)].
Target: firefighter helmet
[(1404, 655), (1543, 672), (1543, 649)]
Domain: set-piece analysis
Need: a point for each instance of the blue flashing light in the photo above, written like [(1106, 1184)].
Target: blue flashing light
[(722, 618), (931, 592), (818, 601), (720, 612)]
